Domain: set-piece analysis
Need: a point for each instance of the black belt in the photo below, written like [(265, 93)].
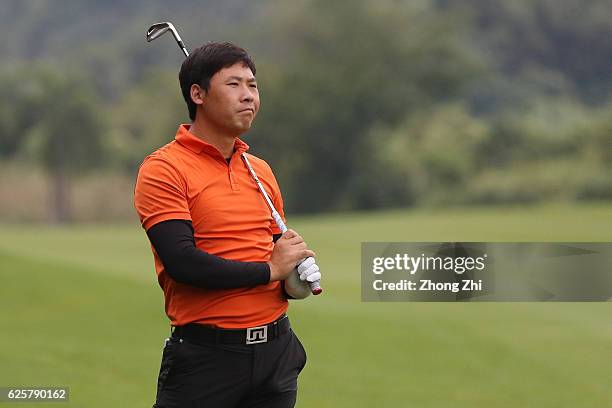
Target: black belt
[(253, 335)]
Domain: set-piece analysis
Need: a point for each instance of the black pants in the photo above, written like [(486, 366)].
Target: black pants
[(199, 375)]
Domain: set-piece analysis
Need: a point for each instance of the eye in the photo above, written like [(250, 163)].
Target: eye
[(233, 84), (253, 85)]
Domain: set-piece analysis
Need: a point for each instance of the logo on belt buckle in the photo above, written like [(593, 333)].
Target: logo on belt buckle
[(257, 334)]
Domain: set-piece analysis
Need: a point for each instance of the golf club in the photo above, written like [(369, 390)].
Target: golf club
[(156, 31)]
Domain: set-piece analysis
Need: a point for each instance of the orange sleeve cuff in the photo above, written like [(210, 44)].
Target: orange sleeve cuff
[(156, 219)]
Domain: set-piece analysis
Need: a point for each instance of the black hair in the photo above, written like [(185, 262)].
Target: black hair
[(206, 61)]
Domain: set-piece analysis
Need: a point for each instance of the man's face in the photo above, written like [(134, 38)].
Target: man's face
[(232, 100)]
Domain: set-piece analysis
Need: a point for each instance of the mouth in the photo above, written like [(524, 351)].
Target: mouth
[(247, 110)]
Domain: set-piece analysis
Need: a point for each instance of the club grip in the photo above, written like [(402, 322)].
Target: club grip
[(315, 287)]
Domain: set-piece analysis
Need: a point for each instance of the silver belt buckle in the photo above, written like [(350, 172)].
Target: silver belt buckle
[(257, 335)]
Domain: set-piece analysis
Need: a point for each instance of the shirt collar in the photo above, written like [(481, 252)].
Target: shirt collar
[(198, 146)]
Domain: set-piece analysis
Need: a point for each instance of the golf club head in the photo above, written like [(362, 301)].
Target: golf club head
[(158, 29)]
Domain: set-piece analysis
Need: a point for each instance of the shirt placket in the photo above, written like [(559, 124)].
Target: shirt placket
[(232, 176)]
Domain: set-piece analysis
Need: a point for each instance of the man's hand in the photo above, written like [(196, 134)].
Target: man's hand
[(297, 284), (309, 270), (288, 251)]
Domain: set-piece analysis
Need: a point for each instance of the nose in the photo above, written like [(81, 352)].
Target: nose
[(246, 96)]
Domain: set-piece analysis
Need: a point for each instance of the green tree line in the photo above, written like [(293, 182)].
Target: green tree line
[(366, 104)]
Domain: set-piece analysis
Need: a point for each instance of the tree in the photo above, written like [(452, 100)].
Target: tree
[(145, 118), (541, 47), (346, 70), (56, 115)]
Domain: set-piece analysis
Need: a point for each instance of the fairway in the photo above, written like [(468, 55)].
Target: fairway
[(81, 308)]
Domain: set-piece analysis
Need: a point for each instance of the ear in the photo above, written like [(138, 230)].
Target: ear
[(198, 95)]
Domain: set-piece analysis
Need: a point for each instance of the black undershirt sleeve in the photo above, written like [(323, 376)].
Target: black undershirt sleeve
[(275, 238), (174, 243)]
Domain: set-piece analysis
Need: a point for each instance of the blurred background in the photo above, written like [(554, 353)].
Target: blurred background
[(426, 120), (365, 105)]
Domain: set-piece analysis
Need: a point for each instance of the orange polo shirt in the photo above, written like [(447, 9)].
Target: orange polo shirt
[(189, 179)]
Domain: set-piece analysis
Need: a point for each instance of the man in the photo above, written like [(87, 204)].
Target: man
[(225, 270)]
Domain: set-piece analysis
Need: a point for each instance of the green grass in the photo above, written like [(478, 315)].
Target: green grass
[(81, 307)]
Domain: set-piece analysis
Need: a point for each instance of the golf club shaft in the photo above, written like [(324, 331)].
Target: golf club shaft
[(315, 287), (183, 48)]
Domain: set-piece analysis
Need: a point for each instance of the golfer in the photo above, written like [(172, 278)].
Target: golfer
[(225, 270)]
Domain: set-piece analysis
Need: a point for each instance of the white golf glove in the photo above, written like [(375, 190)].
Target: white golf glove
[(297, 284), (309, 270)]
